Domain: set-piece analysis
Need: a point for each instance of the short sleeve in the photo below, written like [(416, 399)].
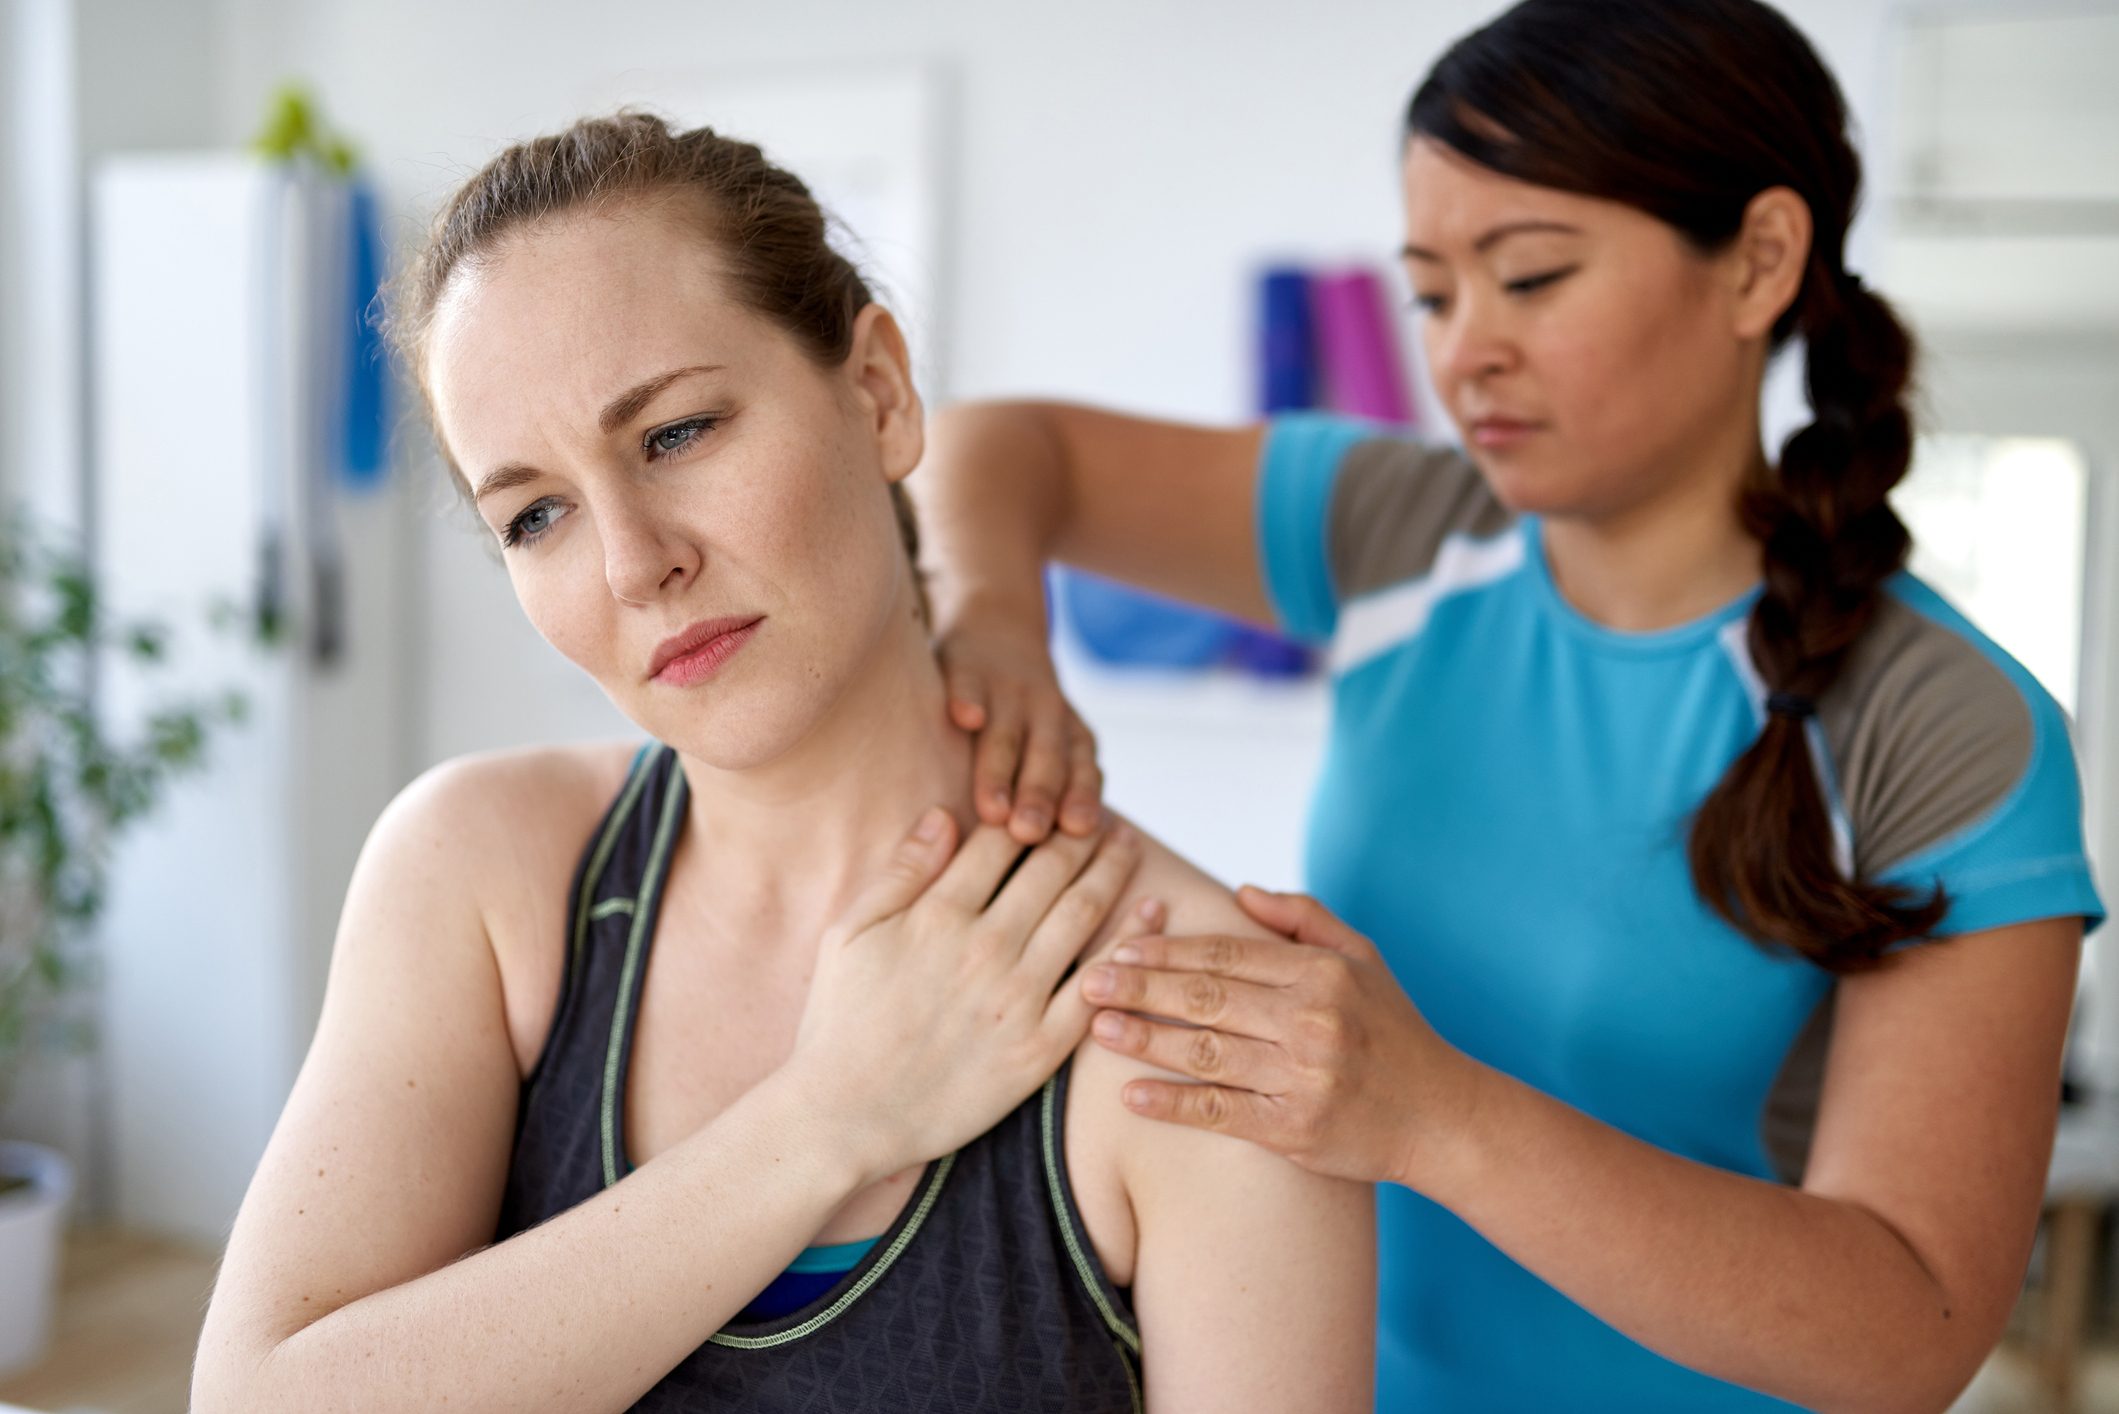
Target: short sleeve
[(1959, 771), (2025, 858), (1298, 471)]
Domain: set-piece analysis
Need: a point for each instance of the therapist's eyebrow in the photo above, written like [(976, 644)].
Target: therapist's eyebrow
[(627, 405), (1496, 236)]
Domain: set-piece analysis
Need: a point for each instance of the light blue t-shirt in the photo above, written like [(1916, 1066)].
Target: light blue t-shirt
[(1503, 809)]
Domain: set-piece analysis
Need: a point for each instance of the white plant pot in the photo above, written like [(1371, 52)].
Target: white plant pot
[(32, 1220)]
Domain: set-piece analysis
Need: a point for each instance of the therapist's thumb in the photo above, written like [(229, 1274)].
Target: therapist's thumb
[(1302, 918)]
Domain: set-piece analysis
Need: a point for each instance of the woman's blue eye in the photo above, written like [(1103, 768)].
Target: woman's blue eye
[(665, 441), (530, 526)]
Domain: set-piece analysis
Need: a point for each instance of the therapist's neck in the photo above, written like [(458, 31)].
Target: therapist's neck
[(789, 844), (1668, 560)]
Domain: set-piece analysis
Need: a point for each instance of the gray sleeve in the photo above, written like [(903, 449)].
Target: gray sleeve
[(1926, 735), (1396, 502)]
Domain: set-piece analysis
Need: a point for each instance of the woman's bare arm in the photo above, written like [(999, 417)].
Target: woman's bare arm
[(1254, 1280), (354, 1277)]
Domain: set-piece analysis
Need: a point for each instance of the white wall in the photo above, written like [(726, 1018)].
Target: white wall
[(1119, 168)]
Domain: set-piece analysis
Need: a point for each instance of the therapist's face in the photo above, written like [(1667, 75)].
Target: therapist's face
[(1590, 357), (679, 460)]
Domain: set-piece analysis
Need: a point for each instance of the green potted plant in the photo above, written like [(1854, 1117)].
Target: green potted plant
[(69, 783)]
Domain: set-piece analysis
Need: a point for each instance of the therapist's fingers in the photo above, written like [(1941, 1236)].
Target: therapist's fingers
[(1245, 1114), (967, 694), (1202, 1052), (1083, 804), (1267, 961), (1200, 998), (1304, 919), (1043, 774), (1000, 749)]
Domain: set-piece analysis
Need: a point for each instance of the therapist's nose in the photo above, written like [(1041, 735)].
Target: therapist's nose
[(645, 557), (1471, 341)]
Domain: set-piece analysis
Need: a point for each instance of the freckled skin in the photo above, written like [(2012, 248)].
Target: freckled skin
[(525, 348)]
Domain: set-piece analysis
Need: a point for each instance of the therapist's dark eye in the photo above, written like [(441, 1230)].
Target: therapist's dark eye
[(1530, 284)]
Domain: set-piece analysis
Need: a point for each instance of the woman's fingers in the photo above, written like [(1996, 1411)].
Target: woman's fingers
[(1078, 915), (1000, 749), (1067, 1015), (1045, 880), (1202, 1052), (1083, 804), (1043, 774), (1201, 998), (913, 865), (984, 859)]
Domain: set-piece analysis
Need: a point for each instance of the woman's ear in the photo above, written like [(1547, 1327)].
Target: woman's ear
[(1768, 258), (882, 374)]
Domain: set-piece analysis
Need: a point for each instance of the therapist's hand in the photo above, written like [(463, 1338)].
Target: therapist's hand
[(1308, 1047), (1035, 761)]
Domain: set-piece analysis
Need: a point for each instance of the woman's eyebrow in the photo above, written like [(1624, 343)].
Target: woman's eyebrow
[(1496, 235), (627, 405)]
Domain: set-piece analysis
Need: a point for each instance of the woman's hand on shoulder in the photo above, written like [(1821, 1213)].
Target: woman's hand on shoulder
[(936, 1005)]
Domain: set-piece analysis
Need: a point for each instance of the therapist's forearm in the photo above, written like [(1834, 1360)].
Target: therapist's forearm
[(585, 1312), (1803, 1297), (987, 531)]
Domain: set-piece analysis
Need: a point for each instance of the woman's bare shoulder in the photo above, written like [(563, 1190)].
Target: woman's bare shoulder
[(513, 823), (1108, 1146)]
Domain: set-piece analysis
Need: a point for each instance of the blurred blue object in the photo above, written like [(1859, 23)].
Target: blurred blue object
[(1121, 625), (363, 458), (1287, 344)]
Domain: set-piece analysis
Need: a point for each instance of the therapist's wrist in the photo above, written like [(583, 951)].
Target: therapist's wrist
[(1448, 1142)]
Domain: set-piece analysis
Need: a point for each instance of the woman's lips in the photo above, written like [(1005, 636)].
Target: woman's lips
[(700, 662), (1501, 432)]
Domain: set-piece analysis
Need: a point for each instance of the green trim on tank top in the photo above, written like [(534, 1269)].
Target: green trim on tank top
[(650, 889), (914, 1221), (636, 939), (1077, 1248)]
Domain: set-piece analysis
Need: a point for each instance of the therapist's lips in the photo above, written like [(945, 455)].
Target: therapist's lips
[(697, 654), (1501, 432)]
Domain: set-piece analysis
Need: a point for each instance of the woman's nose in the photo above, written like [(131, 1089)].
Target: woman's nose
[(643, 557)]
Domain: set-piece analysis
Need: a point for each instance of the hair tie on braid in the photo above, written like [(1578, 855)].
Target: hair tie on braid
[(1790, 704)]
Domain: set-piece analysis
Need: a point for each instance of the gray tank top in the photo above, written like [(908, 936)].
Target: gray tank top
[(984, 1294)]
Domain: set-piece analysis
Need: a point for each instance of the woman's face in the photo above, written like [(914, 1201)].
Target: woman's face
[(654, 457), (1586, 352)]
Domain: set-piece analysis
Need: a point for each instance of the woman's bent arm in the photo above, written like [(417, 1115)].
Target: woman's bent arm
[(346, 1284)]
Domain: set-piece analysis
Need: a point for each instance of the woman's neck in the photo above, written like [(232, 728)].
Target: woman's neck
[(783, 848), (1667, 560)]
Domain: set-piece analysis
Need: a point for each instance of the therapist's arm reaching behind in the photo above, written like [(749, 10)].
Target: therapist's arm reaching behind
[(1162, 505)]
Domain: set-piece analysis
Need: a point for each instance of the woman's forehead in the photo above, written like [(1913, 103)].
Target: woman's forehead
[(1450, 198), (560, 315)]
